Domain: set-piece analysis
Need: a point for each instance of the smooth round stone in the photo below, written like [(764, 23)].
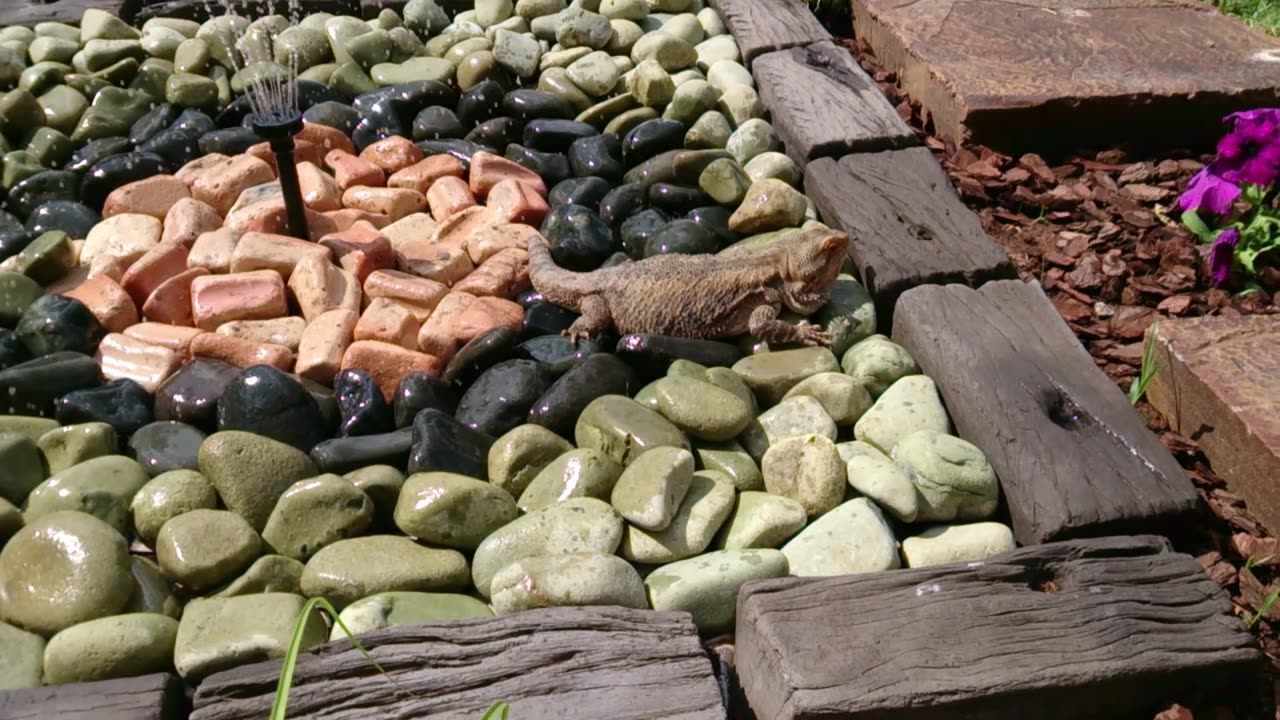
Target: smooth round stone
[(31, 387), (769, 205), (711, 131), (425, 17), (651, 85), (690, 100), (10, 520), (480, 354), (850, 317), (725, 182), (761, 520), (553, 168), (501, 397), (517, 457), (543, 318), (623, 202), (162, 447), (682, 236), (335, 115), (595, 73), (363, 409), (671, 52), (24, 658), (152, 592), (443, 443), (314, 513), (553, 135), (251, 472), (877, 362), (729, 459), (952, 477), (191, 394), (167, 496), (481, 102), (638, 229), (843, 397), (579, 239), (941, 544), (715, 219), (588, 192), (740, 104), (771, 375), (437, 123), (406, 608), (191, 90), (73, 444), (627, 121), (528, 104), (561, 406), (707, 586), (221, 633), (577, 525), (41, 188), (418, 392), (715, 49), (623, 429), (12, 351), (704, 509), (584, 472), (267, 574), (557, 352), (115, 171), (701, 409), (581, 28), (123, 404), (797, 416), (412, 70), (908, 405), (725, 73), (684, 26), (651, 138), (651, 489), (519, 53), (807, 469), (452, 510), (358, 567), (72, 218), (873, 474), (853, 538), (17, 293), (772, 164), (712, 25), (269, 402), (478, 67), (62, 569), (102, 487), (382, 483), (597, 156), (530, 9), (204, 548), (114, 647), (574, 580)]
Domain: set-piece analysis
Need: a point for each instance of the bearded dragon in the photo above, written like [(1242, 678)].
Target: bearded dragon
[(700, 296)]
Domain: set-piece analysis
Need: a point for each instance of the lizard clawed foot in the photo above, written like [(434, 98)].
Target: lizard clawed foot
[(811, 334), (575, 335)]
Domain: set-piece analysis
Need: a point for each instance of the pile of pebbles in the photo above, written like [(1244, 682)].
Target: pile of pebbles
[(207, 421)]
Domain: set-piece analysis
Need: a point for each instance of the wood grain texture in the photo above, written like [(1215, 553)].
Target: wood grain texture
[(908, 226), (31, 12), (1218, 383), (1073, 457), (762, 26), (150, 697), (1059, 74), (553, 664), (824, 105), (1102, 628)]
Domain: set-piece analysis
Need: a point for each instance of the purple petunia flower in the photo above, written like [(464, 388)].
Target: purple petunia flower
[(1209, 193), (1222, 254), (1250, 153)]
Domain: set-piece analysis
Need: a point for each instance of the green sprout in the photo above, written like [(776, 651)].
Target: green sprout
[(1138, 388), (1266, 605)]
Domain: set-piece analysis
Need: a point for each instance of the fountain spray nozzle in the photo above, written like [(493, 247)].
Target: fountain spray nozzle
[(278, 131)]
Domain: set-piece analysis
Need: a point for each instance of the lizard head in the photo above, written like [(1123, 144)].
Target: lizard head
[(811, 262)]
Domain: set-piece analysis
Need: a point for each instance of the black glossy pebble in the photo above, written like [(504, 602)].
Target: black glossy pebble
[(310, 94), (496, 133), (179, 144), (96, 151), (164, 446), (682, 236), (268, 401), (193, 123), (54, 323), (459, 148), (437, 123), (479, 354), (622, 202), (545, 318), (13, 242), (501, 397), (441, 443), (362, 409), (342, 455), (481, 102), (229, 141), (638, 228), (326, 399), (9, 222), (191, 395), (12, 351), (337, 115), (553, 168), (677, 199), (600, 374), (550, 135), (381, 126), (40, 188), (652, 138), (659, 168), (689, 165), (587, 191), (31, 387), (528, 104), (715, 218), (527, 298), (557, 353), (652, 354), (123, 404), (579, 239), (72, 218), (149, 125), (116, 170), (418, 392), (597, 156), (618, 258)]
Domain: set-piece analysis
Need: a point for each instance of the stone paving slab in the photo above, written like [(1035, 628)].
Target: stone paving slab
[(1218, 384), (1034, 74), (1103, 628), (762, 26), (1073, 457), (552, 664)]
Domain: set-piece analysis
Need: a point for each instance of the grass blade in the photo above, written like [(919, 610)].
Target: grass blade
[(1138, 388), (1266, 605), (496, 711)]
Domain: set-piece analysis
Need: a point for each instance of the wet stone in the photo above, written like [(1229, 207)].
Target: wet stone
[(480, 103), (452, 510), (436, 123), (479, 354), (597, 156), (496, 133), (165, 446), (771, 375), (544, 318), (500, 398), (441, 443), (527, 104), (623, 429), (221, 633), (17, 293), (843, 397), (123, 404), (268, 402), (852, 538), (704, 509), (707, 586), (761, 520), (14, 239), (12, 351), (406, 608), (564, 402), (358, 567), (730, 459), (418, 392), (681, 236), (579, 239), (23, 465), (71, 445), (553, 168), (622, 203), (203, 548), (41, 188), (24, 658), (72, 218), (382, 483), (363, 409), (584, 472), (653, 354), (31, 387), (573, 580), (588, 192), (651, 489), (346, 454), (250, 472), (102, 487), (701, 409), (116, 171), (557, 353), (639, 228), (191, 395), (267, 574), (517, 457), (157, 119), (652, 138), (167, 496), (314, 513)]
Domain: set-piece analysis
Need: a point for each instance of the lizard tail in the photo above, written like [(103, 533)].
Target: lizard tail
[(560, 286)]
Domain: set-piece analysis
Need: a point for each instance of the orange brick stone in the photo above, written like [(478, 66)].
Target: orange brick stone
[(419, 294), (213, 250), (266, 251), (392, 154), (395, 203), (360, 250), (437, 336), (286, 331), (351, 171), (432, 260), (121, 357), (504, 275), (343, 219), (241, 353), (449, 196), (388, 321), (388, 364), (303, 151), (488, 241), (485, 314), (422, 175), (323, 343), (153, 196), (107, 301), (255, 295), (219, 184), (171, 302), (187, 220), (517, 202), (174, 337), (319, 286), (329, 139), (151, 270), (487, 170), (320, 190)]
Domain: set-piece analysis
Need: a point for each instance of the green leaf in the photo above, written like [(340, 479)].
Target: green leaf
[(1192, 220), (1138, 387), (496, 711), (1266, 605)]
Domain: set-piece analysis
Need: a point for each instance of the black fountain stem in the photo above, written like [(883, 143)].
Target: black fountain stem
[(279, 133)]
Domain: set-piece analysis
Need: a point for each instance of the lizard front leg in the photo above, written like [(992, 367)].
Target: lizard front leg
[(764, 324), (593, 321)]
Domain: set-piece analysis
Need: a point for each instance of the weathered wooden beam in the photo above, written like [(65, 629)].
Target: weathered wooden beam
[(1073, 457), (1102, 628), (554, 664), (908, 225), (824, 105), (762, 26), (149, 697), (1218, 383)]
